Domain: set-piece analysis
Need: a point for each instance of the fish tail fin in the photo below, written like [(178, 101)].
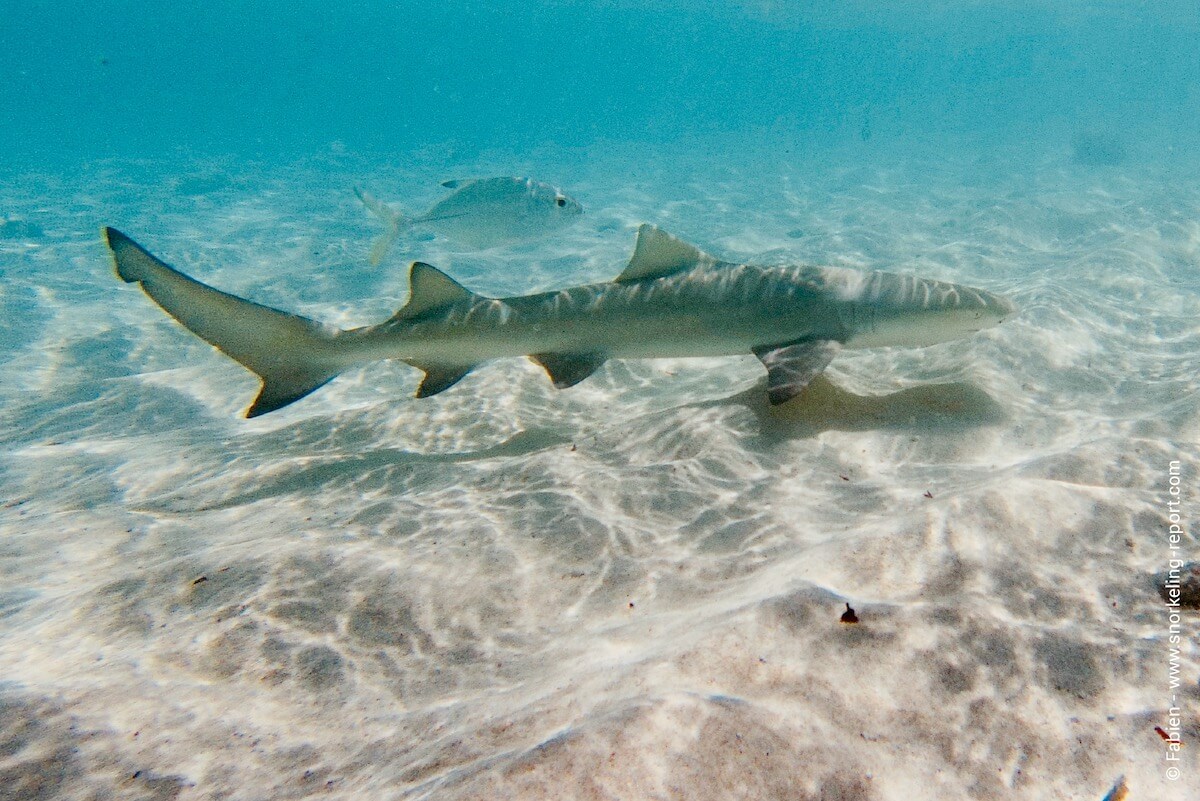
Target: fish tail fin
[(292, 355), (394, 222)]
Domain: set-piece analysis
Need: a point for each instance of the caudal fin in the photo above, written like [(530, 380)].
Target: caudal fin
[(292, 355), (394, 222)]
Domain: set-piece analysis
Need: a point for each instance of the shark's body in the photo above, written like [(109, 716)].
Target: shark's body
[(671, 301)]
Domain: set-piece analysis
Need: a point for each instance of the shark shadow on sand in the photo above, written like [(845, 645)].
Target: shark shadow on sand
[(824, 406)]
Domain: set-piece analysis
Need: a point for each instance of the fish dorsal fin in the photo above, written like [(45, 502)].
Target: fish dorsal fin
[(429, 288), (657, 254)]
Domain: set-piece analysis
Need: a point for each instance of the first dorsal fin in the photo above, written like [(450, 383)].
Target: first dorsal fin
[(430, 288), (657, 254)]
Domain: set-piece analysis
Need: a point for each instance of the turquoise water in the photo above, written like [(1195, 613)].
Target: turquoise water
[(127, 79), (631, 588)]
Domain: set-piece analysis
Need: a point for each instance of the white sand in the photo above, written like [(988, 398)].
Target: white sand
[(630, 589)]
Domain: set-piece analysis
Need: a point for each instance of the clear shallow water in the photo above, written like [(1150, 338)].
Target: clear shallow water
[(630, 589)]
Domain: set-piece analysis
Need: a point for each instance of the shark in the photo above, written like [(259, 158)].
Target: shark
[(672, 300)]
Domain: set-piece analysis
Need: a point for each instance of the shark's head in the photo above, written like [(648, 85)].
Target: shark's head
[(971, 311), (915, 312)]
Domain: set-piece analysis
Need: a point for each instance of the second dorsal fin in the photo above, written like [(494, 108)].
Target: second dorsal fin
[(429, 288), (657, 253)]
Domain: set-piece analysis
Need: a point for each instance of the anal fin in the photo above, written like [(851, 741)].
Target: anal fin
[(439, 378), (568, 369), (791, 366)]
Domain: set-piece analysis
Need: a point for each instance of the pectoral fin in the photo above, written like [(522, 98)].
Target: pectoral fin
[(568, 369), (790, 367)]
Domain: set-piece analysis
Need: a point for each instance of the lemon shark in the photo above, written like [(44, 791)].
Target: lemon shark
[(672, 300)]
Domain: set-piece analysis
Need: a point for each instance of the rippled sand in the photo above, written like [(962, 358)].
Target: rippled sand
[(631, 589)]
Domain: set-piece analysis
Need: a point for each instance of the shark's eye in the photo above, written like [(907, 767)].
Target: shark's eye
[(561, 201)]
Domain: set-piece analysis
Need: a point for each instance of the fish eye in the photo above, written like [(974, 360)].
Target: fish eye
[(561, 201)]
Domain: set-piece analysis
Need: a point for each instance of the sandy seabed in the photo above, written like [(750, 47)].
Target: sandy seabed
[(632, 589)]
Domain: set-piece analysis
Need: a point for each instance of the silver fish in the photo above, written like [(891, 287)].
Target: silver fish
[(672, 300), (481, 213)]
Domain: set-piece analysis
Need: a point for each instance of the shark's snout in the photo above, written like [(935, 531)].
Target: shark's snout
[(1006, 307), (994, 309), (914, 312)]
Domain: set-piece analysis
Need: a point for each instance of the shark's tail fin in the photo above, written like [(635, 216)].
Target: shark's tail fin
[(394, 222), (292, 355)]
